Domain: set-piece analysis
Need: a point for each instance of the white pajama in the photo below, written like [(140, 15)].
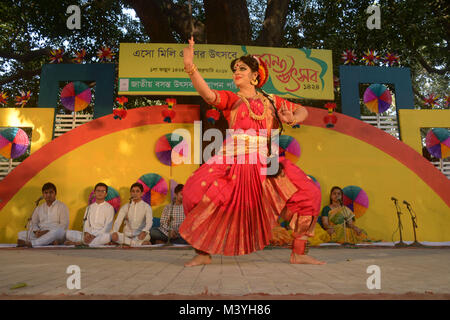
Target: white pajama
[(54, 218), (138, 217), (99, 219)]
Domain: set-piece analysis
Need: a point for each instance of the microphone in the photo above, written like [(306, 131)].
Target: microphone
[(406, 202), (39, 199), (394, 199)]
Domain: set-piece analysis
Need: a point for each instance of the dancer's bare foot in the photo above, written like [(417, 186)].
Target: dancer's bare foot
[(304, 259), (199, 260)]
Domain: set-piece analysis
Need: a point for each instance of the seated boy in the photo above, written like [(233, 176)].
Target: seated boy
[(138, 219), (49, 221), (98, 219)]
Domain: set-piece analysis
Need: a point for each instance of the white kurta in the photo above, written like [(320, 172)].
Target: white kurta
[(54, 218), (139, 217), (99, 220)]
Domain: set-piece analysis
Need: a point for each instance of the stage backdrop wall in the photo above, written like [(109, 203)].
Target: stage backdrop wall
[(118, 152)]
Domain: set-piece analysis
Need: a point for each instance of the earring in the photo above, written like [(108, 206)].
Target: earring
[(254, 82)]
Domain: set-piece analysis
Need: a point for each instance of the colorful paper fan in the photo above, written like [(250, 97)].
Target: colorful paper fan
[(356, 199), (289, 148), (438, 142), (113, 198), (13, 143), (377, 98), (76, 96), (155, 188), (315, 181), (170, 149)]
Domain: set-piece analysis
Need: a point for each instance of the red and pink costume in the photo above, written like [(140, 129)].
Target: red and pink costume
[(231, 208)]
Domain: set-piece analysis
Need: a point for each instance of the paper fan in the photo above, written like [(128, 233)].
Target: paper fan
[(155, 188), (76, 96), (289, 148), (377, 98), (13, 143), (438, 142), (356, 199), (113, 198), (170, 149)]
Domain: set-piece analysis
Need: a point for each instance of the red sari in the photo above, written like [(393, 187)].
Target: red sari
[(231, 208)]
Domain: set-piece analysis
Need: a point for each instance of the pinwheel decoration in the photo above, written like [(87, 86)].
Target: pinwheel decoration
[(289, 148), (23, 98), (120, 112), (431, 100), (437, 142), (377, 98), (155, 188), (112, 197), (349, 57), (169, 113), (447, 101), (76, 96), (105, 54), (356, 199), (370, 57), (212, 115), (56, 56), (3, 97), (171, 147), (79, 56), (390, 59), (13, 143), (330, 119)]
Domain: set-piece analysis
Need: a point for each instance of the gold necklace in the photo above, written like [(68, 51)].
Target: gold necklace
[(250, 111)]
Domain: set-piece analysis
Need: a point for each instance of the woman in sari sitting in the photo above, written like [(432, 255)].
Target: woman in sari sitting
[(338, 221)]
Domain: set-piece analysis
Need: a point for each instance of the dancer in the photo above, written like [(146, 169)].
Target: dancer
[(232, 206)]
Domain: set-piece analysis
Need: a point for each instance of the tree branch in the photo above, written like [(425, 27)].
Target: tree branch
[(152, 16), (23, 74), (429, 68), (273, 25), (25, 57)]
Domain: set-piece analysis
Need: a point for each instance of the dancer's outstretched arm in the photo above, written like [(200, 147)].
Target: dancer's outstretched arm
[(199, 83)]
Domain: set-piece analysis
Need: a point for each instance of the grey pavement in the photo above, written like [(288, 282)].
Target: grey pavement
[(160, 271)]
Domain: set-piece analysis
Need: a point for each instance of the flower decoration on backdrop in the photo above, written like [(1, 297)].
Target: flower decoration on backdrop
[(370, 57), (56, 56), (349, 56), (79, 56), (391, 59), (431, 100), (3, 97), (212, 115), (169, 113), (120, 112), (23, 98), (330, 119), (105, 54), (447, 100)]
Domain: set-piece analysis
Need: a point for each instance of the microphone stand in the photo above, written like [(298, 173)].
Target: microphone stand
[(86, 217), (27, 226), (401, 243), (413, 219), (126, 221), (170, 222)]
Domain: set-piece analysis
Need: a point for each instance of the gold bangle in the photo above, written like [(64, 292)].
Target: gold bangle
[(292, 123), (192, 70)]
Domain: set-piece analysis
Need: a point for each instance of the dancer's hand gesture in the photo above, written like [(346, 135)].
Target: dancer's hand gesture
[(188, 54), (286, 114)]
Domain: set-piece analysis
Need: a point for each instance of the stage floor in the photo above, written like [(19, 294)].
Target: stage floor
[(158, 273)]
